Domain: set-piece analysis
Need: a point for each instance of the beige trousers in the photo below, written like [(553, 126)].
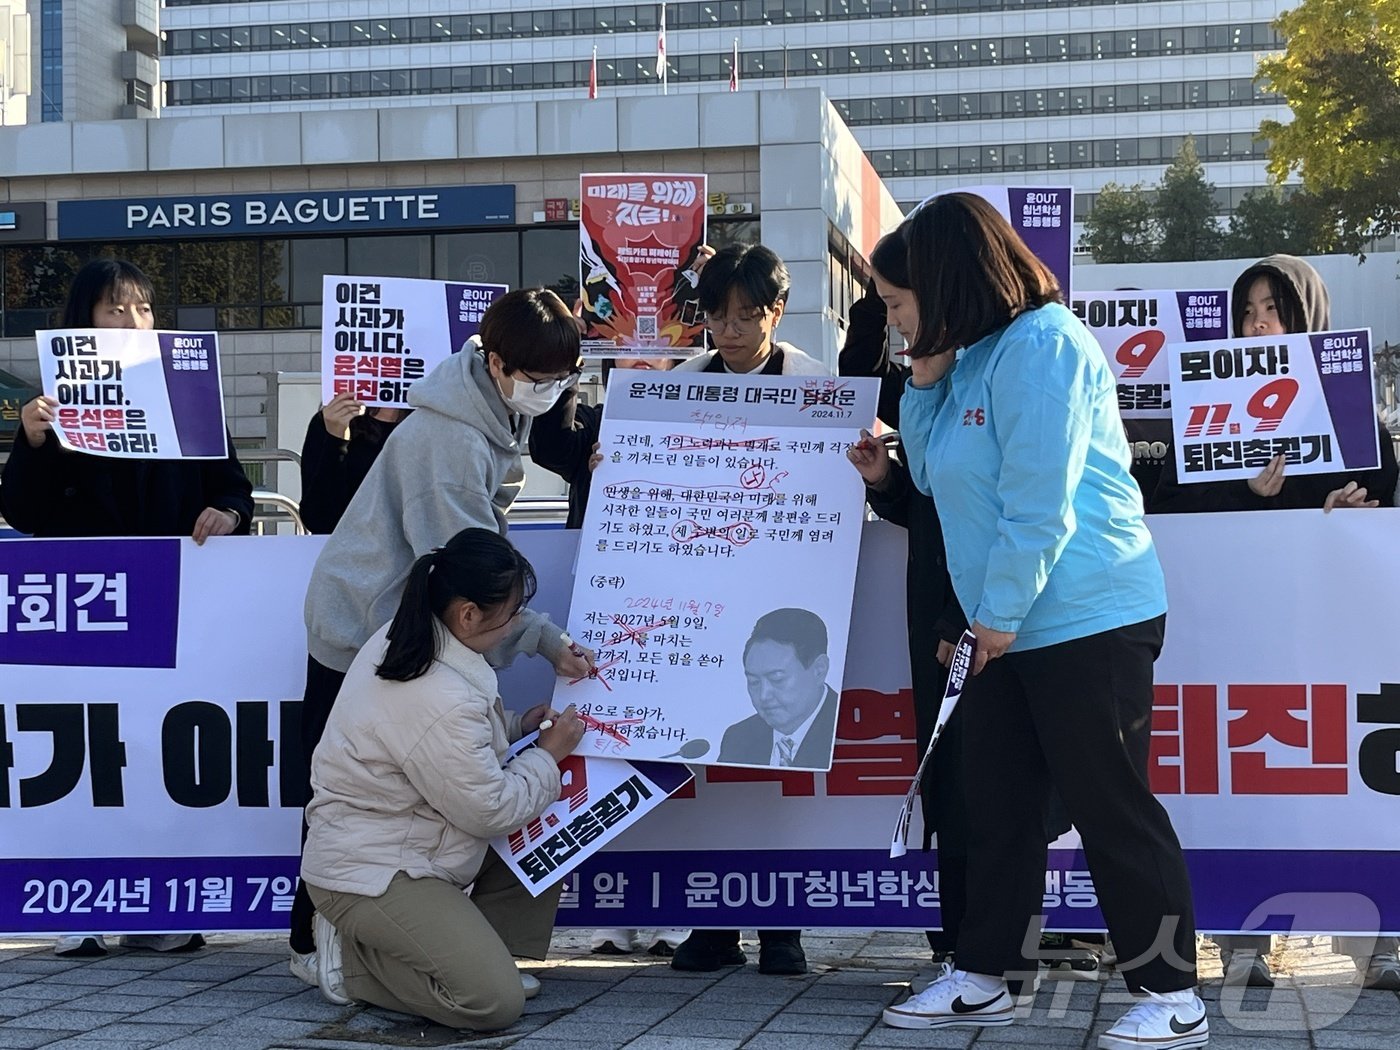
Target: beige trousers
[(424, 947)]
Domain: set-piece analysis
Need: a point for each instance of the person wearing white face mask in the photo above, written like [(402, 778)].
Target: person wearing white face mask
[(453, 464)]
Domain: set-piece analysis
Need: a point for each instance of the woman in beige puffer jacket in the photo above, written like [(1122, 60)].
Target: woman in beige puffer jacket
[(409, 786)]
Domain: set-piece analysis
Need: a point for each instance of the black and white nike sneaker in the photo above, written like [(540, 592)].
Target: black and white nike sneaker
[(1174, 1021), (954, 1001)]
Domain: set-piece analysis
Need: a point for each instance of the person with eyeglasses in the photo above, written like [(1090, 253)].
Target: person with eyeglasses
[(743, 291), (454, 463)]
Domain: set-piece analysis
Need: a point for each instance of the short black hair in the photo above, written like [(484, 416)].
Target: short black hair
[(104, 280), (752, 270), (532, 331), (803, 630)]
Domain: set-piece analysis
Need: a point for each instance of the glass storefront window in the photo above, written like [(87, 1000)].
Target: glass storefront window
[(490, 258)]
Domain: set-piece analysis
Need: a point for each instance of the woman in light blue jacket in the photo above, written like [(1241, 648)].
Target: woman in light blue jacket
[(1010, 421)]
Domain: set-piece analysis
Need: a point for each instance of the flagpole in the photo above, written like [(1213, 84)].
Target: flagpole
[(662, 59)]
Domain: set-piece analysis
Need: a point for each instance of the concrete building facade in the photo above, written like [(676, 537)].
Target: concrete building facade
[(781, 166), (938, 92)]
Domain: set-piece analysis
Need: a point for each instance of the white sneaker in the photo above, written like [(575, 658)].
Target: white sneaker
[(531, 984), (612, 942), (330, 977), (951, 1000), (303, 967), (80, 945), (1162, 1022)]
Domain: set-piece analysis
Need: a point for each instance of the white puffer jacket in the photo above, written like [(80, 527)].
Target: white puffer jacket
[(408, 775)]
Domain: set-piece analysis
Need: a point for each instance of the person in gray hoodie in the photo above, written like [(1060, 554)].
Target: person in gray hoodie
[(453, 464)]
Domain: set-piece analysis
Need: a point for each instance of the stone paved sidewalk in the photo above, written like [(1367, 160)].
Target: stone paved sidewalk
[(237, 995)]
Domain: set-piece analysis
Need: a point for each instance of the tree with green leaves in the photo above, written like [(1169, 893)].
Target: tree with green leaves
[(1269, 220), (1339, 72), (1186, 209), (1122, 226)]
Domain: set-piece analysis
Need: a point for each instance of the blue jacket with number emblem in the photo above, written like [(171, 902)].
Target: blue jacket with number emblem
[(1022, 446)]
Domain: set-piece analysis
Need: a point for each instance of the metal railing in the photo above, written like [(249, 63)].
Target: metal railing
[(286, 511)]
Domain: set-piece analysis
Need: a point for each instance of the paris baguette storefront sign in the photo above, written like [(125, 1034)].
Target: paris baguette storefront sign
[(304, 211)]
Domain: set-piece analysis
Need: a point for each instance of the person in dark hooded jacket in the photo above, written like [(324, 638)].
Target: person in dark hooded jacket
[(1280, 295)]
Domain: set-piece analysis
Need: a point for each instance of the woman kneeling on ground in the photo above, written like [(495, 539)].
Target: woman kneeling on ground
[(409, 786)]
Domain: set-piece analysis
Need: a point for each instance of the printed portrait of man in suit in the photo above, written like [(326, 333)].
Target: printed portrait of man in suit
[(785, 667)]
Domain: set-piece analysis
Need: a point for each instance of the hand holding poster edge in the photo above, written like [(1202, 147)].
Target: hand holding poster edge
[(958, 670)]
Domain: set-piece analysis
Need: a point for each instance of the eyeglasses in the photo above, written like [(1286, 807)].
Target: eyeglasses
[(743, 323), (554, 384)]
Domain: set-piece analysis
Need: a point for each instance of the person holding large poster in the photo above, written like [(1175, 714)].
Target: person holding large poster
[(411, 784), (51, 492), (454, 463), (1280, 295), (48, 491), (1283, 295), (743, 290), (1018, 438)]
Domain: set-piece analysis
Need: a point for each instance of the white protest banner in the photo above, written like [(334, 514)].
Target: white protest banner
[(132, 394), (709, 484), (1275, 744), (1043, 216), (1134, 326), (599, 799), (379, 334), (639, 242), (150, 704), (1240, 402)]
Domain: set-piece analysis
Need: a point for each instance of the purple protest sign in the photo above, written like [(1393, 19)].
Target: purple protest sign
[(146, 894), (466, 303), (90, 603), (1045, 220), (192, 380), (1204, 315), (1344, 368)]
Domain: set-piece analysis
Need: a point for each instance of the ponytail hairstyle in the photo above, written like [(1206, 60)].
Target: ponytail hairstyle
[(476, 565)]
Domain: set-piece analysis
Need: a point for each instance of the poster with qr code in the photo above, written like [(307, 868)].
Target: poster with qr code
[(126, 393), (379, 335), (639, 242)]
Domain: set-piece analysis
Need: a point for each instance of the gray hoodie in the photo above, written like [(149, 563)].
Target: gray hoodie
[(453, 464)]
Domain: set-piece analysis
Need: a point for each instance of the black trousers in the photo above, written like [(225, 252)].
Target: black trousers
[(322, 687), (1075, 716)]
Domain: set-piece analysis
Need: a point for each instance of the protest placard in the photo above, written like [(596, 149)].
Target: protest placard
[(599, 799), (1238, 403), (709, 484), (379, 334), (127, 393), (639, 238), (1134, 326), (1043, 216)]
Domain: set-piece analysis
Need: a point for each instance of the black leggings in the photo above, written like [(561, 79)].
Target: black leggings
[(322, 687)]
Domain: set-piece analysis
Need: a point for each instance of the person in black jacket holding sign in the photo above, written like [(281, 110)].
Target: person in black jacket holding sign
[(49, 491)]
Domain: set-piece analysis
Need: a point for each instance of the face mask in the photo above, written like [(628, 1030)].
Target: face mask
[(527, 401)]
